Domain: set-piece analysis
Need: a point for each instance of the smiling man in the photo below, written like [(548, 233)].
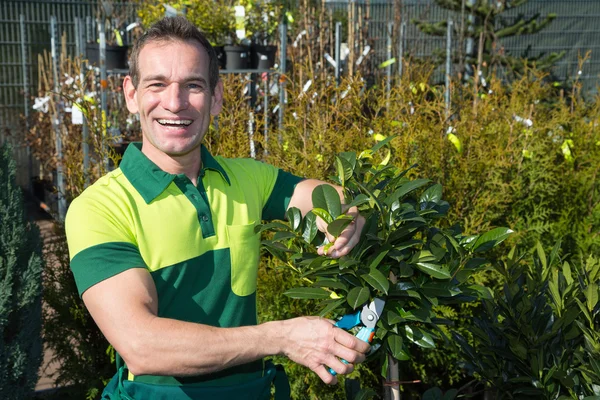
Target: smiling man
[(164, 252)]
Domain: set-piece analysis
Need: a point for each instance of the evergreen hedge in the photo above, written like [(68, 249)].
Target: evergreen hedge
[(21, 267)]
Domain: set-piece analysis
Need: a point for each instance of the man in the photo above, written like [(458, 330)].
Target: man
[(164, 252)]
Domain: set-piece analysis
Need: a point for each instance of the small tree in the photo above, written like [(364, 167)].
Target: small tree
[(20, 289), (485, 27)]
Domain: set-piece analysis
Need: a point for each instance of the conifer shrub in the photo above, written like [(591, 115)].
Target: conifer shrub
[(21, 267)]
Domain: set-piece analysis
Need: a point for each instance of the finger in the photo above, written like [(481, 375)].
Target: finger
[(339, 367), (350, 341), (325, 375), (349, 238)]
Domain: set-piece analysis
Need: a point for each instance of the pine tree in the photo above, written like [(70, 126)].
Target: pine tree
[(20, 289), (485, 22)]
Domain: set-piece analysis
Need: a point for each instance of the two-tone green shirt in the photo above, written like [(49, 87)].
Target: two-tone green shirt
[(197, 242)]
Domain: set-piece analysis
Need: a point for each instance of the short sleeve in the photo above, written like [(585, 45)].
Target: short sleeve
[(280, 195), (100, 243)]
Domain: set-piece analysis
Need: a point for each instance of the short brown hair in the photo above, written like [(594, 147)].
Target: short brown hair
[(174, 28)]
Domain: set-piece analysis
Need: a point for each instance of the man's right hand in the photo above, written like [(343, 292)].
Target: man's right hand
[(317, 344)]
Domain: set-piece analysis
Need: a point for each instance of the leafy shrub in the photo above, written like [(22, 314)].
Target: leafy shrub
[(540, 337), (402, 257), (21, 267)]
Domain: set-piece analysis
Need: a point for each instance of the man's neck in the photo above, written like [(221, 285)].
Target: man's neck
[(188, 164)]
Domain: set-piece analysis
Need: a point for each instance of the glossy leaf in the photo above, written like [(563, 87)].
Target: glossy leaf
[(271, 226), (405, 189), (419, 337), (323, 214), (307, 293), (365, 394), (359, 200), (331, 283), (491, 239), (294, 216), (330, 306), (434, 270), (433, 194), (382, 143), (337, 226), (440, 289), (344, 170), (349, 157), (310, 227), (377, 280), (395, 344), (327, 198), (358, 296)]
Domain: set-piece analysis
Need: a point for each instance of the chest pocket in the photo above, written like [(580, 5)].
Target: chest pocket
[(244, 247)]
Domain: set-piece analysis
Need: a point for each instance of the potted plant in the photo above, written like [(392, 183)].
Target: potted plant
[(405, 257), (262, 21), (114, 30)]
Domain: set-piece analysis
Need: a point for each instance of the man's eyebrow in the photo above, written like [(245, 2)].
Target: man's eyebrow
[(160, 77)]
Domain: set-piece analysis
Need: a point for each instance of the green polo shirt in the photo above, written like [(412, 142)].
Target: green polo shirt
[(197, 242)]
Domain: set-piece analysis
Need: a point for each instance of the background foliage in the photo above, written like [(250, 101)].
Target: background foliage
[(21, 266)]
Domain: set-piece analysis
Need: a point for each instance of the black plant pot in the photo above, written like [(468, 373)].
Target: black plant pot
[(236, 57), (262, 57), (220, 52), (116, 56)]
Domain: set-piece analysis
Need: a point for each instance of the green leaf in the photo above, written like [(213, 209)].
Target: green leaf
[(434, 270), (280, 236), (419, 337), (327, 198), (382, 143), (433, 194), (348, 156), (358, 296), (310, 227), (433, 394), (337, 226), (331, 283), (344, 170), (377, 260), (294, 215), (440, 289), (358, 200), (491, 239), (566, 269), (377, 280), (591, 295), (307, 293), (365, 394), (405, 189), (331, 306), (271, 226), (323, 214), (395, 345), (392, 317)]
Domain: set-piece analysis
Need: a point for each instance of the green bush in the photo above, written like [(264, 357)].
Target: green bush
[(21, 267), (539, 338)]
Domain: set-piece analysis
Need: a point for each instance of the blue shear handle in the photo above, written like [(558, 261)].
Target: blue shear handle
[(364, 334)]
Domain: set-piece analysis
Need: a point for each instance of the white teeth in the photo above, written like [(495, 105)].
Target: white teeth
[(184, 122)]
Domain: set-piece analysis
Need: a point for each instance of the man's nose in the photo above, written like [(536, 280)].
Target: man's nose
[(174, 98)]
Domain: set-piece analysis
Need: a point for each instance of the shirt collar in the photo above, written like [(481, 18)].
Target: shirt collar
[(149, 180)]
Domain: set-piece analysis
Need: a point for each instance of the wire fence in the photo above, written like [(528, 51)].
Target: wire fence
[(25, 33)]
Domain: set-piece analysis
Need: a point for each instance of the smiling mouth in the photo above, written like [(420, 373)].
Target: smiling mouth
[(175, 122)]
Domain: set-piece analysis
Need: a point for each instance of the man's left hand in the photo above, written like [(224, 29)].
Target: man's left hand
[(347, 239)]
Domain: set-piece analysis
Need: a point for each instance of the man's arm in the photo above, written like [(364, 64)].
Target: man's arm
[(125, 308), (302, 199)]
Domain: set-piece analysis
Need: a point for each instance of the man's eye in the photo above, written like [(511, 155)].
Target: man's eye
[(194, 86), (157, 84)]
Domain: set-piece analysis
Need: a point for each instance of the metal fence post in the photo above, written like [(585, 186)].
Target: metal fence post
[(401, 48), (338, 55), (26, 100), (85, 134), (62, 201), (103, 87), (388, 68), (282, 69), (448, 66)]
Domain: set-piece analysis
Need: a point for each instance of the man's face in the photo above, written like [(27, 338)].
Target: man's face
[(173, 96)]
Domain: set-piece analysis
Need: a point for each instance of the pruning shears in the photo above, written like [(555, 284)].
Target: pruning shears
[(367, 318)]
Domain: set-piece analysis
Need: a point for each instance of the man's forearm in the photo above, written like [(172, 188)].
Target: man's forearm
[(171, 347)]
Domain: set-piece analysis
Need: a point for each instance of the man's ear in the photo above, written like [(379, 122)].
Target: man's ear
[(217, 99), (130, 91)]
